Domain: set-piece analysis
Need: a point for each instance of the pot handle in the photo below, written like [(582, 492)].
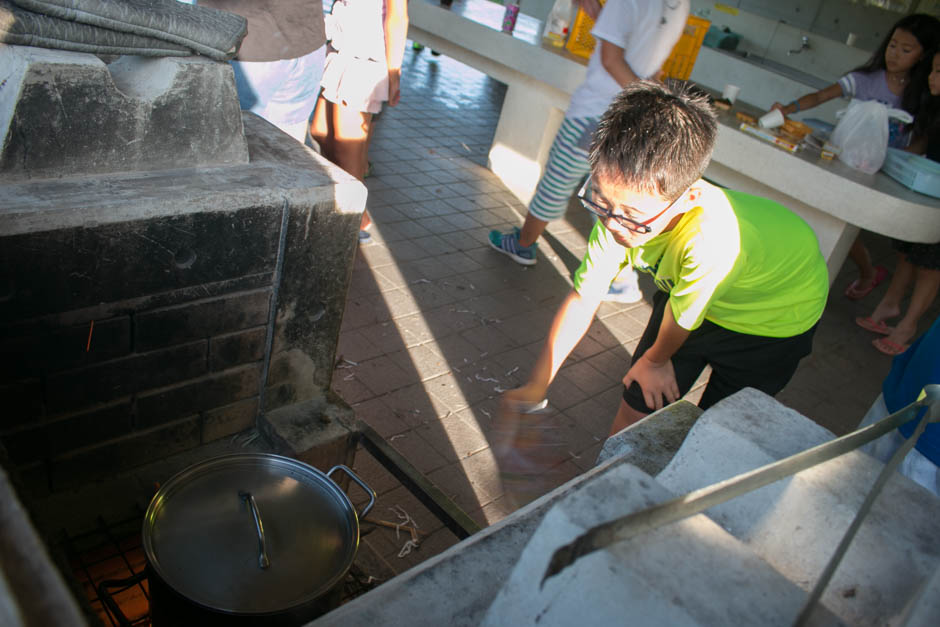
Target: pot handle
[(362, 484), (263, 561)]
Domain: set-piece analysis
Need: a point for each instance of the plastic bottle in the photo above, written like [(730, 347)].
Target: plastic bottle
[(558, 24), (509, 17)]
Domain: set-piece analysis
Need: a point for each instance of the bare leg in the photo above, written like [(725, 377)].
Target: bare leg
[(926, 284), (350, 144), (890, 305), (862, 258), (321, 127), (625, 417), (531, 230)]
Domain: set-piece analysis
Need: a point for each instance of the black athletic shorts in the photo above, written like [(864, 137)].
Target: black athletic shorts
[(738, 360)]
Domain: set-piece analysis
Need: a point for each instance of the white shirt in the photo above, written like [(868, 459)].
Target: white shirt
[(647, 30)]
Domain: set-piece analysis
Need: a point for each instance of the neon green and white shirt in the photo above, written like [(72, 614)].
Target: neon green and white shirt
[(743, 262)]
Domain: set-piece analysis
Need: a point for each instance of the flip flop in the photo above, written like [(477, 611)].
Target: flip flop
[(875, 327), (855, 291), (888, 347)]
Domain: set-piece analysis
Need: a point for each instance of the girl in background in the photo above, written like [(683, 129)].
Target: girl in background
[(362, 70), (917, 263), (887, 78)]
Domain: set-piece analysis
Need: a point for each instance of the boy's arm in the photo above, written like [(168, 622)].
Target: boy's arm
[(569, 326), (653, 370), (591, 7), (396, 31), (613, 61)]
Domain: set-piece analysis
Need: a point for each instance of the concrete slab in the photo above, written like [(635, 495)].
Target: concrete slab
[(680, 574), (651, 443), (796, 524), (66, 114)]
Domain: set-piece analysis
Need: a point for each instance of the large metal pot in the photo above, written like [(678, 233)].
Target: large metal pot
[(249, 538)]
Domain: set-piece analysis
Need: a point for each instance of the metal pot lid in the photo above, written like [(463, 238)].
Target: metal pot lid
[(201, 537)]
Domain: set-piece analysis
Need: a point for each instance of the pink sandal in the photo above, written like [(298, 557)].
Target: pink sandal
[(855, 291)]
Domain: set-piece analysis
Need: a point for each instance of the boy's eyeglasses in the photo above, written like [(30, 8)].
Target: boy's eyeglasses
[(606, 214)]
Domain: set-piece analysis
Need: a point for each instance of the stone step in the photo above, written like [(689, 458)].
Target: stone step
[(676, 575), (795, 524)]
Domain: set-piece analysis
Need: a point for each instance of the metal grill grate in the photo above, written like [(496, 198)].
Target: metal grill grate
[(108, 563)]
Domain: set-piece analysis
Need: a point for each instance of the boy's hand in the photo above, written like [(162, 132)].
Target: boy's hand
[(656, 379), (513, 405)]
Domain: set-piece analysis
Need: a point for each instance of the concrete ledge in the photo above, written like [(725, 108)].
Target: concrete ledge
[(66, 114), (651, 443), (26, 569)]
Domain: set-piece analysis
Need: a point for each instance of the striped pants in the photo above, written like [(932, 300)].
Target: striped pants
[(567, 166)]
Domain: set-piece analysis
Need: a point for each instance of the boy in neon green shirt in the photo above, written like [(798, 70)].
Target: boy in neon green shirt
[(741, 280)]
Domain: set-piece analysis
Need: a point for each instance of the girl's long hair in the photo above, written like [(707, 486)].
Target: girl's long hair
[(927, 120), (926, 29)]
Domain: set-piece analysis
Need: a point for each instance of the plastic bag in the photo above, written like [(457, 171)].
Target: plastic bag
[(862, 133)]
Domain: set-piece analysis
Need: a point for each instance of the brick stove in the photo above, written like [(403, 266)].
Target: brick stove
[(172, 272)]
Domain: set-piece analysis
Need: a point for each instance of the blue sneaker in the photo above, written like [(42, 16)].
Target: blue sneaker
[(508, 244)]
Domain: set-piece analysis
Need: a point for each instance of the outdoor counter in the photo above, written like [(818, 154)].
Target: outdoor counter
[(835, 199)]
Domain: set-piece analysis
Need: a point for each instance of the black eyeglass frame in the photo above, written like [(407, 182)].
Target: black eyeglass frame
[(637, 227)]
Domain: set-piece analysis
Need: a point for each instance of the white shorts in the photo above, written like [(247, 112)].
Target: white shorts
[(361, 84)]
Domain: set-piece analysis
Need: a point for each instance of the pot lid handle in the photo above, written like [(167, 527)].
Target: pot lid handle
[(362, 484), (263, 561)]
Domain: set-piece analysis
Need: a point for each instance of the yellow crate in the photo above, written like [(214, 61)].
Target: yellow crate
[(680, 61), (580, 40), (682, 58)]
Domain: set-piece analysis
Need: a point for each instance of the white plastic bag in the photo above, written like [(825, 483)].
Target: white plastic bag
[(862, 133)]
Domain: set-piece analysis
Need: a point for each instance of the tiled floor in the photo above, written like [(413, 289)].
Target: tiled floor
[(437, 324)]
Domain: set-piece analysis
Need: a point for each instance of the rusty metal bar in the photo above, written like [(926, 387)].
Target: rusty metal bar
[(429, 494)]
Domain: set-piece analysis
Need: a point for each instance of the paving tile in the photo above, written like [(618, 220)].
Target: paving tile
[(452, 481), (401, 230), (414, 405), (455, 391), (489, 339), (593, 415), (386, 196), (382, 375), (420, 271), (417, 450), (423, 360), (399, 303), (457, 352), (375, 475), (386, 214), (451, 319), (377, 414), (349, 388), (453, 438), (355, 346), (586, 377), (612, 363)]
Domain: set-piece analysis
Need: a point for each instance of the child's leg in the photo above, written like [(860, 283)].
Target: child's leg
[(351, 139), (532, 229), (868, 277), (926, 284), (890, 305), (351, 145), (862, 258), (321, 127)]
